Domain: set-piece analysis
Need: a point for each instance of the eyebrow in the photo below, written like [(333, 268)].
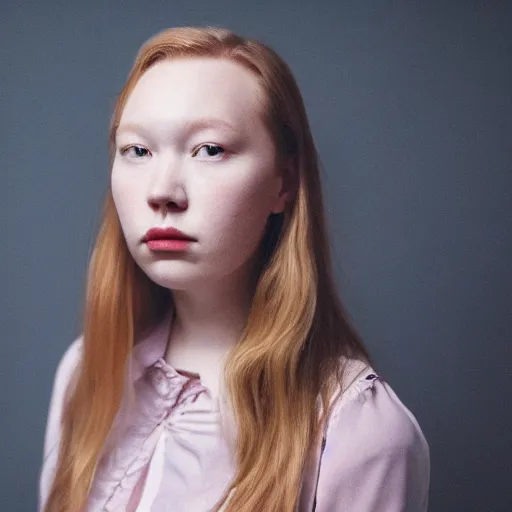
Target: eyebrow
[(189, 126)]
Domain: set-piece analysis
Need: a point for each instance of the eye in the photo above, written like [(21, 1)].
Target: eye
[(211, 150), (139, 151)]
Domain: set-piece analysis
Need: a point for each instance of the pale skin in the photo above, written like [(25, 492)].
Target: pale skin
[(216, 183)]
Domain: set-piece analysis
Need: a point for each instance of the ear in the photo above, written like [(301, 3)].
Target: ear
[(289, 185)]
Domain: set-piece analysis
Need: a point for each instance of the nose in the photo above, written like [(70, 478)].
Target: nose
[(167, 202), (166, 190)]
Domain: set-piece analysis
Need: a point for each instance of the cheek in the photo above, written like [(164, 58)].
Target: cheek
[(237, 212), (126, 197)]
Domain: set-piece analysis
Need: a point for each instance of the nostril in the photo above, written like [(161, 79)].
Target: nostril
[(172, 206)]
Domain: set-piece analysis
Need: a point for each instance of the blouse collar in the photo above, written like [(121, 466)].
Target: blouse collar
[(151, 347)]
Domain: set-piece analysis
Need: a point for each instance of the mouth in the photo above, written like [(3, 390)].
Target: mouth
[(169, 234), (168, 244)]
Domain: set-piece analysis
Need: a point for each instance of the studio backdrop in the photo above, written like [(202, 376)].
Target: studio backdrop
[(410, 106)]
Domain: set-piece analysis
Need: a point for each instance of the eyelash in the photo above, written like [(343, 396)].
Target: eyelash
[(124, 150)]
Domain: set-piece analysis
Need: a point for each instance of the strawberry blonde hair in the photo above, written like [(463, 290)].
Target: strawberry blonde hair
[(297, 334)]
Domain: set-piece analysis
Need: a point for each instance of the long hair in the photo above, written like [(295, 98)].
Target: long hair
[(297, 334)]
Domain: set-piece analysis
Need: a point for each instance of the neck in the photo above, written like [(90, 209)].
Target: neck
[(208, 321)]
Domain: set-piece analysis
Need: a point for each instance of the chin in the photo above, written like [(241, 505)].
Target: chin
[(174, 275), (172, 280)]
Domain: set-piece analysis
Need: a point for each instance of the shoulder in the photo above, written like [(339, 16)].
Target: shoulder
[(375, 449), (69, 361), (367, 401), (377, 419), (66, 368)]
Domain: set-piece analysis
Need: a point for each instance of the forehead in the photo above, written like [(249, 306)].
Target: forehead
[(188, 88)]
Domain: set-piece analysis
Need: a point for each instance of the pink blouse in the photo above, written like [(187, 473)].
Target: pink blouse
[(169, 450)]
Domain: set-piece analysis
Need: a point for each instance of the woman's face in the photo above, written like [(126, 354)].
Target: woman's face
[(192, 152)]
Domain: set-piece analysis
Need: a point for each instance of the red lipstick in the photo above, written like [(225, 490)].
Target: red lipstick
[(166, 239)]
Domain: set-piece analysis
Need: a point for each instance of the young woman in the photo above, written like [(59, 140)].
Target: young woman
[(217, 369)]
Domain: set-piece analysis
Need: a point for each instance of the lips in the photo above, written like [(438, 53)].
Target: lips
[(169, 233)]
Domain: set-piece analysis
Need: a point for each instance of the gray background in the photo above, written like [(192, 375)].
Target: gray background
[(410, 106)]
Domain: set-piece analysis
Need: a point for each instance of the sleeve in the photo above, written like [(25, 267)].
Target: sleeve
[(376, 458), (65, 369)]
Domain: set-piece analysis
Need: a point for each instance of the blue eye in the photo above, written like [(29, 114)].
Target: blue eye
[(139, 151), (211, 149)]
